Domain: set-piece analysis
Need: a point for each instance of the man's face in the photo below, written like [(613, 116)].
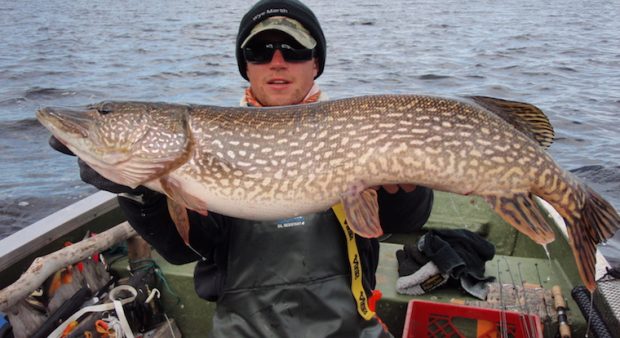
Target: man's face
[(279, 82)]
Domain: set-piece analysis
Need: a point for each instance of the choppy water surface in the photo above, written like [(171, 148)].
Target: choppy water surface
[(563, 56)]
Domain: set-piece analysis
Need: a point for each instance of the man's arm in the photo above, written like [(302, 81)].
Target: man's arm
[(404, 211), (147, 212), (153, 222)]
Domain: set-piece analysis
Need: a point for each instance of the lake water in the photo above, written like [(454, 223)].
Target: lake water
[(563, 56)]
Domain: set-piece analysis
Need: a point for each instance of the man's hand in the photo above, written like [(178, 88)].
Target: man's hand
[(140, 194), (58, 146), (90, 176)]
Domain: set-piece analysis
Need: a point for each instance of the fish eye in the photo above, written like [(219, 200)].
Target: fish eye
[(104, 109)]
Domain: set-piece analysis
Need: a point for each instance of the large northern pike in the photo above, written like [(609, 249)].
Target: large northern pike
[(273, 163)]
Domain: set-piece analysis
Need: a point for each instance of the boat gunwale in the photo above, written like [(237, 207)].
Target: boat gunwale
[(24, 242)]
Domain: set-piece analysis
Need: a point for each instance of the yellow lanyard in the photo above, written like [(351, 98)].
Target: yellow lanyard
[(354, 262)]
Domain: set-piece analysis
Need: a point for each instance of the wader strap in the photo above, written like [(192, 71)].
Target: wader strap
[(354, 262)]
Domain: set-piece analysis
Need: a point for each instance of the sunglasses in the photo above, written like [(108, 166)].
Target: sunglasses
[(264, 53)]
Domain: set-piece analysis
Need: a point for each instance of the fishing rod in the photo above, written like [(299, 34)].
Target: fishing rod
[(591, 313), (503, 323), (518, 301), (530, 320), (560, 308), (547, 320)]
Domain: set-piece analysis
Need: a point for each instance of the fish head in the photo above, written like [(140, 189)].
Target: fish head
[(129, 143)]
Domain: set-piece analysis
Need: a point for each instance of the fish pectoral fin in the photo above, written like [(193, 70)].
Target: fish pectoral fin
[(179, 216), (178, 203), (175, 191), (362, 212), (113, 174), (137, 172), (520, 211)]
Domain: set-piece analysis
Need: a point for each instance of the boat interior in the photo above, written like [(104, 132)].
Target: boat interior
[(518, 262)]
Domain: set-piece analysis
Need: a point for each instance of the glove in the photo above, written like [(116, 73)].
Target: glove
[(417, 273), (410, 260), (58, 146), (427, 278), (140, 194), (89, 175)]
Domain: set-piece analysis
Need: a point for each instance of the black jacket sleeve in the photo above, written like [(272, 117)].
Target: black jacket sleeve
[(404, 212), (153, 222)]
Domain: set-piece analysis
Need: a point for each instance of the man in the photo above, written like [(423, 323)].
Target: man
[(288, 278)]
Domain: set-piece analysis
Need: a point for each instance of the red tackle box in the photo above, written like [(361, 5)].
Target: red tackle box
[(433, 319)]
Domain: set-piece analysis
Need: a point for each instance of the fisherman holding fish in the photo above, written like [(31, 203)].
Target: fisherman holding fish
[(238, 169), (307, 276)]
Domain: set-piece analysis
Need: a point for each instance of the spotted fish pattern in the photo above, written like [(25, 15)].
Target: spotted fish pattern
[(273, 163)]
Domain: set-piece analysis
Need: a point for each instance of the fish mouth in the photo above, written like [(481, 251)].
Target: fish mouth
[(67, 121), (77, 129)]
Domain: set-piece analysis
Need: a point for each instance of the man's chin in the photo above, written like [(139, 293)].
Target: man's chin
[(275, 100)]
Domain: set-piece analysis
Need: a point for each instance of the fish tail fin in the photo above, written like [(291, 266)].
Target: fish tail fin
[(601, 216), (597, 222)]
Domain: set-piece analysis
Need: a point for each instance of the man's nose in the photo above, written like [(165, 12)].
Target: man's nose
[(278, 59)]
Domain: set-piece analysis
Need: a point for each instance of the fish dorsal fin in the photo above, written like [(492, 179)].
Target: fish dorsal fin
[(527, 118)]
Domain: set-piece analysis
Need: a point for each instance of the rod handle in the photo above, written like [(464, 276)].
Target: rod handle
[(558, 299), (560, 306), (565, 330)]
